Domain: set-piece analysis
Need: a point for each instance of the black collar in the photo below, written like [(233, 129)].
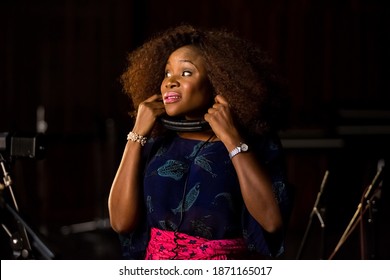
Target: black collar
[(184, 125)]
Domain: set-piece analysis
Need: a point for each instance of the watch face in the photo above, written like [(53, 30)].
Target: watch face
[(244, 147)]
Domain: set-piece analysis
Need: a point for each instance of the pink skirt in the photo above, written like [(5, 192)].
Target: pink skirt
[(166, 245)]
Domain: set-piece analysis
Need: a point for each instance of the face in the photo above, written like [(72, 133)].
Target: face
[(185, 89)]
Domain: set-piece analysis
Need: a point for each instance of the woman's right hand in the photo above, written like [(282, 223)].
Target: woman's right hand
[(125, 201), (148, 112)]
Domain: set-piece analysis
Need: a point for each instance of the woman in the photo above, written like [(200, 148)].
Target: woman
[(202, 174)]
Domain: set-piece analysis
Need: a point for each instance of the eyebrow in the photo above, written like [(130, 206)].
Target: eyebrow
[(188, 61), (183, 60)]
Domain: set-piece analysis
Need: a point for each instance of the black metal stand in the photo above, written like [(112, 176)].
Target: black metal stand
[(364, 205), (26, 253), (19, 240), (321, 220)]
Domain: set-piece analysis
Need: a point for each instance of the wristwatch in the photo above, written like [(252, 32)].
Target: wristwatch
[(239, 149)]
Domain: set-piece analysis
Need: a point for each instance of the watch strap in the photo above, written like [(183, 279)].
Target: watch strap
[(234, 152), (239, 149)]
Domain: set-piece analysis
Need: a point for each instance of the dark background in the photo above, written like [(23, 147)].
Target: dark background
[(66, 57)]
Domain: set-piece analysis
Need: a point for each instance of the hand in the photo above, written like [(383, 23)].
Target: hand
[(220, 118), (148, 111)]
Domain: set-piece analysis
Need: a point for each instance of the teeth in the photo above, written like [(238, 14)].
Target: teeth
[(172, 97)]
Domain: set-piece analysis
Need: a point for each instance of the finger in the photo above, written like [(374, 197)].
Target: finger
[(208, 117), (211, 111), (154, 101), (160, 112), (154, 97), (221, 99)]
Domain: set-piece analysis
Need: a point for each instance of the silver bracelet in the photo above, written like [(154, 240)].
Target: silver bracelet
[(132, 136)]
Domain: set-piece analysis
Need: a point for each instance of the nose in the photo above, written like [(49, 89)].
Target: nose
[(171, 82)]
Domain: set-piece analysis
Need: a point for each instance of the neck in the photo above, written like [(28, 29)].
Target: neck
[(207, 135)]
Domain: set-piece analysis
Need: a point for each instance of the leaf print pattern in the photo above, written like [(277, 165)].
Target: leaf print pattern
[(204, 163), (161, 151), (195, 150), (149, 204), (173, 169), (167, 225), (201, 229), (189, 200), (227, 197)]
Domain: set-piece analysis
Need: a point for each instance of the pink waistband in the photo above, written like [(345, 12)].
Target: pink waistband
[(165, 245)]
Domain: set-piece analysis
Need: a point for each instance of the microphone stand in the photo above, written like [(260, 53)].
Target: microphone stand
[(321, 220), (20, 240), (26, 252), (358, 216)]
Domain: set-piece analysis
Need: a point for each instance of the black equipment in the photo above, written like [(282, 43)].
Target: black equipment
[(18, 231), (24, 145)]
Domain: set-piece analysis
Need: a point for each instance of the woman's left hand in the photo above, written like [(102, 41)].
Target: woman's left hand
[(220, 118)]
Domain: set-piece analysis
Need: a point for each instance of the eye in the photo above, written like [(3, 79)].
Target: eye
[(186, 73), (167, 74)]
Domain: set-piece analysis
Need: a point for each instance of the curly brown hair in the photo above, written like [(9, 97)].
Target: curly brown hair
[(236, 69)]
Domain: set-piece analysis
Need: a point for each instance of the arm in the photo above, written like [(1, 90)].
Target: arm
[(256, 187), (125, 200)]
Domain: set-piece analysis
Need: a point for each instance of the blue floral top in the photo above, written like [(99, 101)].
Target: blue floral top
[(191, 186)]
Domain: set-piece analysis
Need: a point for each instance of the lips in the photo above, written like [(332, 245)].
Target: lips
[(171, 97)]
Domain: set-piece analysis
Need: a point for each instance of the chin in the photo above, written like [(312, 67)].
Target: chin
[(184, 115), (173, 115)]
